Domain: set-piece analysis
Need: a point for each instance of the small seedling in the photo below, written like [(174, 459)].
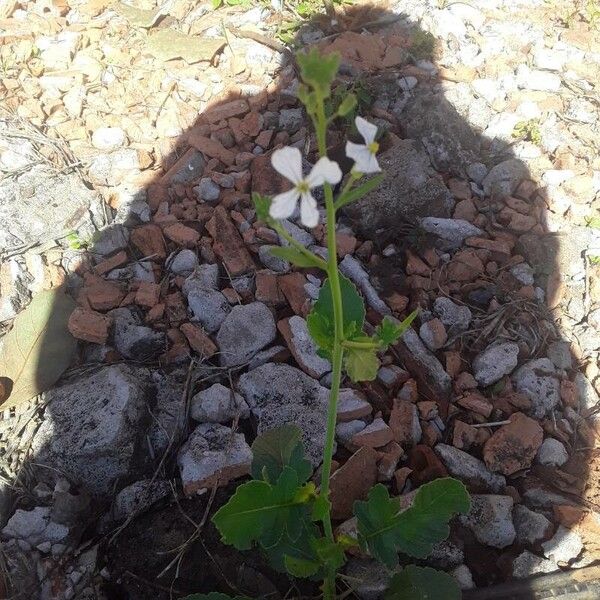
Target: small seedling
[(281, 510)]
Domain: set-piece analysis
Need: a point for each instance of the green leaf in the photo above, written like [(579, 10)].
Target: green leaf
[(320, 320), (358, 192), (422, 583), (321, 508), (276, 449), (38, 348), (301, 567), (296, 257), (384, 530), (318, 70), (300, 547), (389, 332), (347, 105), (214, 596), (261, 204), (331, 554), (260, 512), (361, 364), (593, 222)]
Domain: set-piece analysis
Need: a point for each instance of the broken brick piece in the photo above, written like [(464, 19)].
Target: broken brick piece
[(147, 294), (104, 295), (198, 340), (182, 234), (89, 325), (111, 263), (211, 148), (149, 240)]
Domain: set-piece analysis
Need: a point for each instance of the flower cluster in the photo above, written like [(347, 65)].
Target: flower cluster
[(288, 162)]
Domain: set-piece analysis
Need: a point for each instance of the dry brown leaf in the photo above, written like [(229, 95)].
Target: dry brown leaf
[(168, 44)]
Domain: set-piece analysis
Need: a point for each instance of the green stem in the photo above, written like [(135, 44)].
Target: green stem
[(354, 344)]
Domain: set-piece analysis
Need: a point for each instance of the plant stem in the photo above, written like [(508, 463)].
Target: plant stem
[(297, 245)]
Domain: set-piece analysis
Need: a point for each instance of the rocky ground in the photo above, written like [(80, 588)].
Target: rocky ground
[(129, 143)]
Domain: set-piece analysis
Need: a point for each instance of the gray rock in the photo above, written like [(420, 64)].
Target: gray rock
[(272, 262), (490, 519), (93, 430), (139, 497), (537, 379), (527, 564), (35, 527), (184, 262), (540, 497), (464, 577), (523, 273), (279, 394), (588, 397), (209, 307), (446, 555), (111, 239), (344, 432), (469, 469), (352, 404), (191, 169), (370, 578), (291, 119), (205, 277), (304, 349), (217, 404), (208, 190), (212, 455), (300, 235), (412, 189), (455, 317), (565, 545), (424, 366), (552, 453), (246, 330), (39, 202), (267, 355), (114, 168), (134, 340), (427, 332), (494, 362), (560, 354), (477, 172), (452, 232), (531, 527), (504, 178), (351, 268)]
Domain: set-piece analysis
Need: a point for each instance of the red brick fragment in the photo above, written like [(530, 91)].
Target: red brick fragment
[(89, 325), (198, 340)]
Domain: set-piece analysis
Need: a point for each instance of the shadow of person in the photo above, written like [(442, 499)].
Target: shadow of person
[(458, 227)]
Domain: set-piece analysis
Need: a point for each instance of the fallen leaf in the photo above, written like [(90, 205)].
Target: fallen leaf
[(138, 17), (38, 349), (168, 44)]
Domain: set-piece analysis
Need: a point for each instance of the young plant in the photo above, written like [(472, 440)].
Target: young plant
[(281, 510)]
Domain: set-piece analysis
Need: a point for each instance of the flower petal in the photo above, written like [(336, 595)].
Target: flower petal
[(364, 159), (325, 170), (288, 162), (283, 205), (309, 213), (366, 129)]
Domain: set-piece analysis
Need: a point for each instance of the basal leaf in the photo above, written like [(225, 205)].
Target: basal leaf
[(318, 70), (261, 204), (331, 554), (301, 567), (361, 364), (278, 448), (259, 512), (389, 332), (320, 320), (422, 583), (384, 530), (295, 257), (358, 192), (300, 547), (38, 348)]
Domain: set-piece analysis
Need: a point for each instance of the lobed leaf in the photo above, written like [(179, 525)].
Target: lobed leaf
[(361, 364), (422, 583), (318, 70), (384, 530)]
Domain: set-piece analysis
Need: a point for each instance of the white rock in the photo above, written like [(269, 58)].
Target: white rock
[(455, 317), (463, 575), (218, 404), (35, 527), (452, 231), (352, 269), (304, 349), (528, 564), (531, 527), (564, 546), (489, 89), (543, 81), (208, 307), (552, 453), (138, 497), (272, 262), (550, 60), (108, 138), (537, 380), (494, 362), (184, 262), (523, 273)]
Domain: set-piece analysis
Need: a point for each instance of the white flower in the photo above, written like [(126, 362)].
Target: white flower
[(288, 162), (364, 155)]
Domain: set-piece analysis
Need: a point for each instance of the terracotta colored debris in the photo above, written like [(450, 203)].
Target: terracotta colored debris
[(404, 422), (397, 302), (198, 340), (352, 481), (267, 288), (156, 313), (182, 234), (390, 456), (425, 464), (211, 148), (292, 287), (499, 246), (147, 294), (352, 404), (228, 245), (513, 447), (89, 325), (453, 363), (221, 112), (111, 263), (476, 403), (375, 435), (464, 436), (400, 477), (265, 179), (104, 295), (149, 240)]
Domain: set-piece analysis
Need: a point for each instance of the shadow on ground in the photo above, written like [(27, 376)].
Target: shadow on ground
[(139, 406)]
